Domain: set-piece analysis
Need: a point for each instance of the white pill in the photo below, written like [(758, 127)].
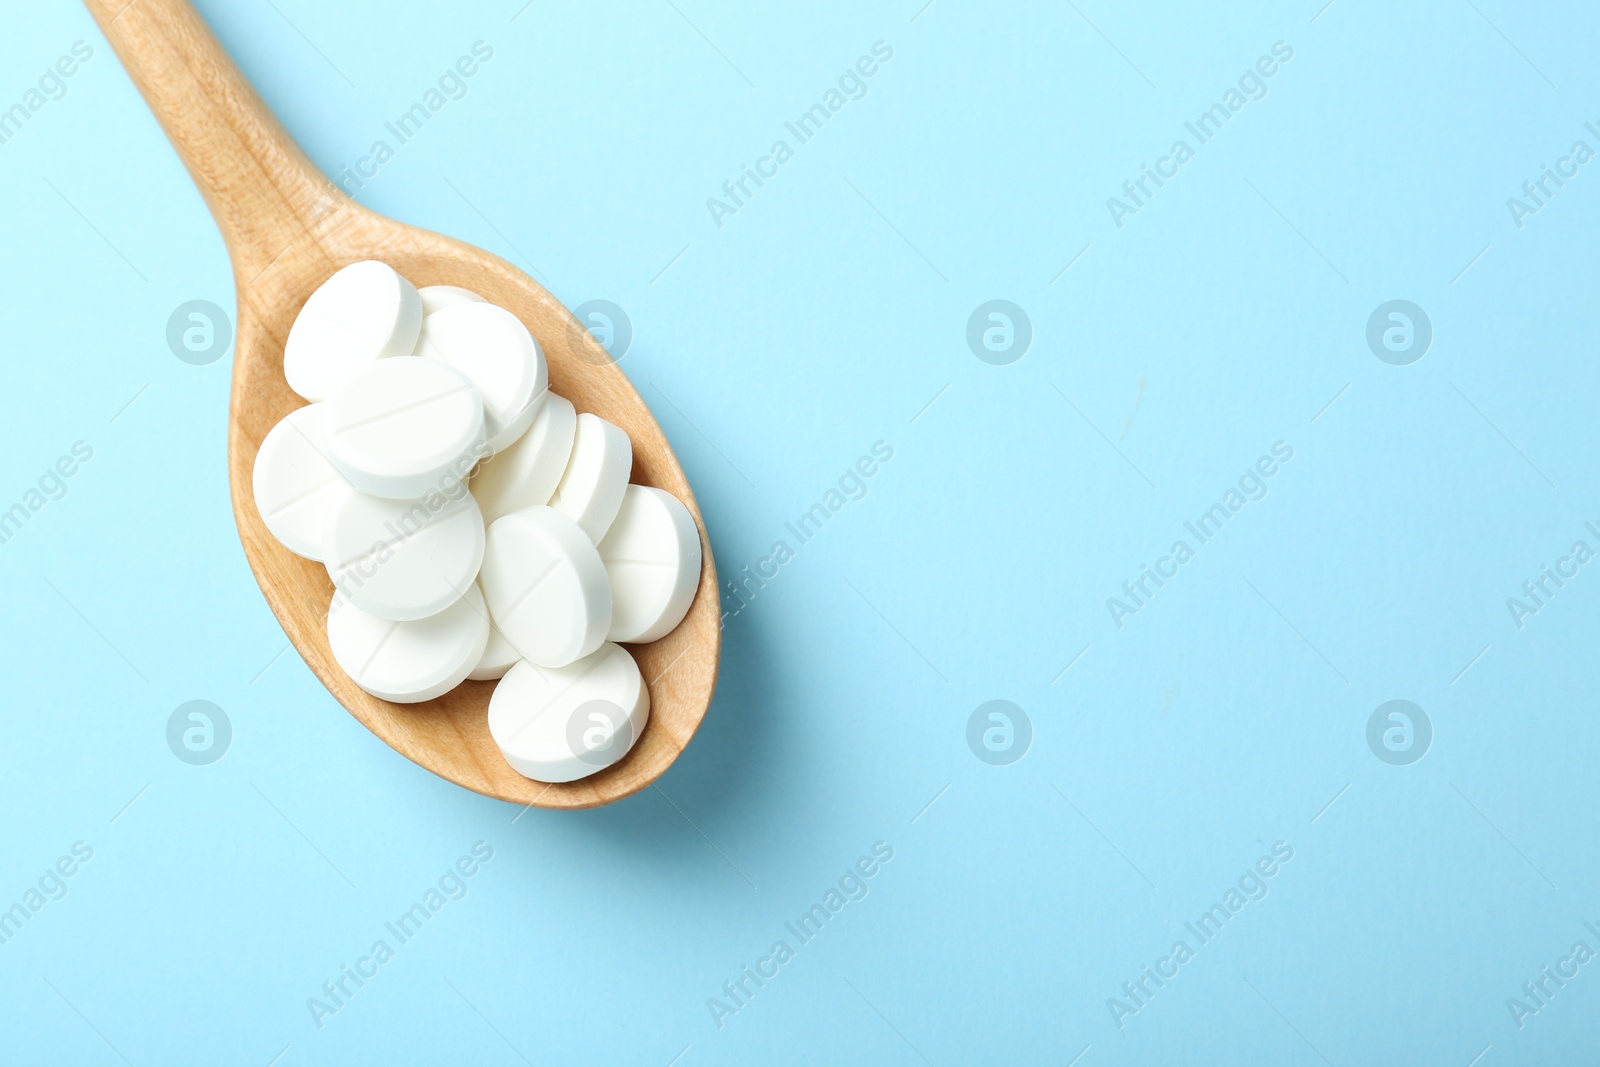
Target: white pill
[(528, 471), (546, 587), (498, 657), (652, 558), (498, 355), (435, 297), (559, 725), (366, 311), (404, 559), (409, 661), (294, 484), (400, 428), (591, 487)]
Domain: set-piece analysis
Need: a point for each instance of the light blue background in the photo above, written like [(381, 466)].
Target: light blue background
[(1227, 715)]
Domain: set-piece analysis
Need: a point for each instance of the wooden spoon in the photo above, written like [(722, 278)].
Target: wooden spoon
[(288, 228)]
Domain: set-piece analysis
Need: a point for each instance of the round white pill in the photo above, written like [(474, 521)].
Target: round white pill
[(498, 657), (366, 311), (559, 725), (528, 471), (435, 297), (404, 559), (546, 587), (496, 352), (294, 484), (402, 427), (409, 661), (652, 558), (590, 491)]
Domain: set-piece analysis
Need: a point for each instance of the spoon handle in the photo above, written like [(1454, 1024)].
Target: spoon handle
[(263, 191)]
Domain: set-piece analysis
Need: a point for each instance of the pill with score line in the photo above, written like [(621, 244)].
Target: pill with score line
[(366, 311)]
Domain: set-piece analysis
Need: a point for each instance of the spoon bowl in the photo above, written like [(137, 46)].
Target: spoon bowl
[(288, 229)]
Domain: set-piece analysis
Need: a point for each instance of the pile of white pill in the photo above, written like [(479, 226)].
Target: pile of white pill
[(474, 524)]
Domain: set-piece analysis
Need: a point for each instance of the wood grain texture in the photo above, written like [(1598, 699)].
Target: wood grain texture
[(288, 229)]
